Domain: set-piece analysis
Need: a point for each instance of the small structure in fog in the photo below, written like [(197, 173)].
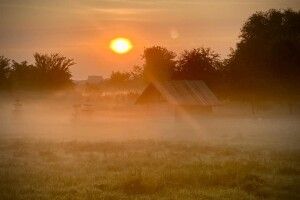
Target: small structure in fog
[(94, 79), (191, 95)]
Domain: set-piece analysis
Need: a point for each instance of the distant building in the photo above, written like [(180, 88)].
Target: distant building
[(94, 79), (190, 95)]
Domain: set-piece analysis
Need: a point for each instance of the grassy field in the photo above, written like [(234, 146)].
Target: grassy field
[(45, 154), (145, 169)]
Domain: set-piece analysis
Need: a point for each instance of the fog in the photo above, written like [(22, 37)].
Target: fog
[(69, 145), (67, 116)]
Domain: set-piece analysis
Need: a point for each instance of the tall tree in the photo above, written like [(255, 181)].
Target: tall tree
[(159, 63), (266, 62), (22, 75), (198, 64), (4, 71), (53, 71)]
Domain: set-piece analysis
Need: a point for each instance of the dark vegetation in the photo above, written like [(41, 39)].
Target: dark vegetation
[(48, 72), (123, 80), (266, 61)]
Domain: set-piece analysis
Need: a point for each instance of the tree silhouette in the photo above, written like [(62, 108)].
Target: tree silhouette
[(22, 75), (4, 71), (198, 64), (119, 77), (266, 62), (137, 73), (159, 63), (52, 71)]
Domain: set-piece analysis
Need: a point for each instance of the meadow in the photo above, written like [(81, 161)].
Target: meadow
[(138, 153)]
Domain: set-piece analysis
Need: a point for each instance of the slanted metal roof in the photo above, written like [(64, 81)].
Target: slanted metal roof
[(183, 92)]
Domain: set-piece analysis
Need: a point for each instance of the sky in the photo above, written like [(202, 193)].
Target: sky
[(83, 29)]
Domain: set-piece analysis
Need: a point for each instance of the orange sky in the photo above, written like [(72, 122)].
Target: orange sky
[(82, 29)]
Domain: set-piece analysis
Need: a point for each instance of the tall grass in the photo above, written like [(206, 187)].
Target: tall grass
[(145, 169)]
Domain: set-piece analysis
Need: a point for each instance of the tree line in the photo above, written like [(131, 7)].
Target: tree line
[(50, 71)]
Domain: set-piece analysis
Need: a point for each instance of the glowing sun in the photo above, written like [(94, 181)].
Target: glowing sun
[(120, 45)]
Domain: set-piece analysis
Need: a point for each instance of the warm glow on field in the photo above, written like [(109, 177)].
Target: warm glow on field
[(121, 45)]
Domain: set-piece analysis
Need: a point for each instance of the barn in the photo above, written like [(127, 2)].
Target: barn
[(192, 95)]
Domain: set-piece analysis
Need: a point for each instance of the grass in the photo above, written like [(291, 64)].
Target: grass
[(145, 169)]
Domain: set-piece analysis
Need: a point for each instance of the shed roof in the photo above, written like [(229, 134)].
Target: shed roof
[(183, 92)]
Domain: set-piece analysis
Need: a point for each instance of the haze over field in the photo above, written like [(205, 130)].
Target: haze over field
[(122, 151), (83, 29)]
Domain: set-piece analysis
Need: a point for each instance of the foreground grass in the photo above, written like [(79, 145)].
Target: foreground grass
[(145, 169)]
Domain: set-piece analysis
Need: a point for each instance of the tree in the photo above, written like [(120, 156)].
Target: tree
[(4, 71), (137, 73), (119, 77), (159, 63), (22, 75), (198, 64), (266, 62), (53, 71)]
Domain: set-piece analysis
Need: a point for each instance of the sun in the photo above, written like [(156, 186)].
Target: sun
[(120, 45)]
